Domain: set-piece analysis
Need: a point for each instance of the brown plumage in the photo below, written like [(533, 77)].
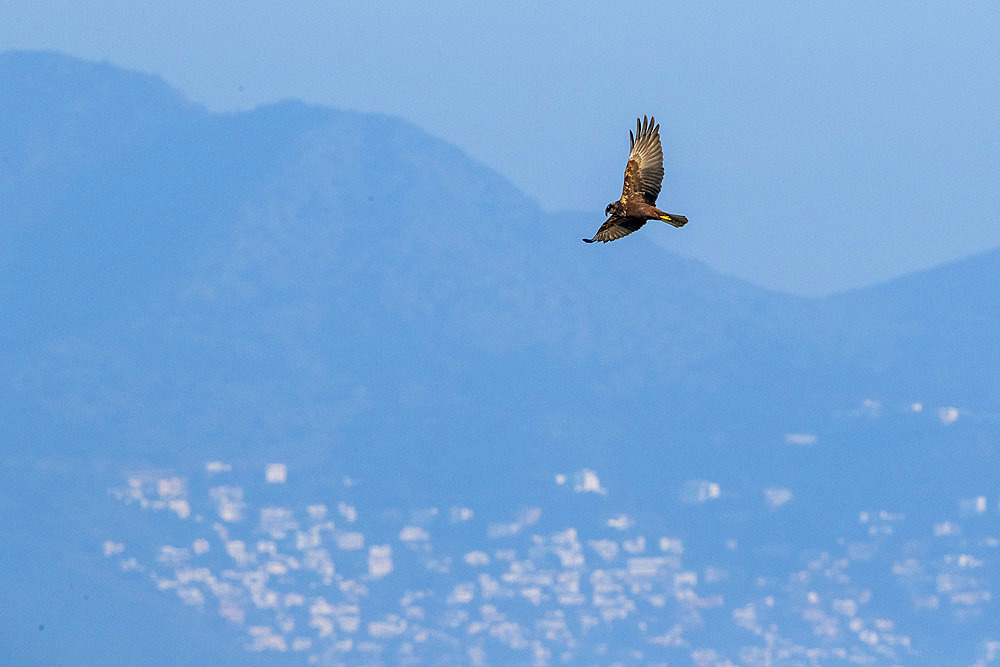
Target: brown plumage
[(643, 176)]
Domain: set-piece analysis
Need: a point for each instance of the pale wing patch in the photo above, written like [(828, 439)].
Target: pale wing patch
[(648, 154)]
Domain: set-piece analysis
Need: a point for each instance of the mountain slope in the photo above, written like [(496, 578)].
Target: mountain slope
[(932, 333), (338, 283)]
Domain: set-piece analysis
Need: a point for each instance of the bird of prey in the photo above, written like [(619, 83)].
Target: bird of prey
[(643, 175)]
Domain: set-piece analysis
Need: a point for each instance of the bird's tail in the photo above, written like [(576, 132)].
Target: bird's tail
[(675, 220)]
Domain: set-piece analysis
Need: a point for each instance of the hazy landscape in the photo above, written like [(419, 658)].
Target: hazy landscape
[(298, 385)]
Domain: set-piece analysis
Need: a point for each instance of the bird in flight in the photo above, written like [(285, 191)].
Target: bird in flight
[(643, 176)]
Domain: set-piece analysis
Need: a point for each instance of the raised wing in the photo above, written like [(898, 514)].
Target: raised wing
[(616, 227), (644, 171)]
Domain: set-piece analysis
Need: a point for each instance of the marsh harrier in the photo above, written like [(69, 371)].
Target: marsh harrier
[(643, 175)]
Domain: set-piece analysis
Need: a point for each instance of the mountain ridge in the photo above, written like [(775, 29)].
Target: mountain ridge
[(323, 270)]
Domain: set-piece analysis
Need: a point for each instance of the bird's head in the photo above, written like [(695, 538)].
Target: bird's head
[(612, 208)]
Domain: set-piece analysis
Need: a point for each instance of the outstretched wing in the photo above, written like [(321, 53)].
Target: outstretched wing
[(616, 227), (644, 171)]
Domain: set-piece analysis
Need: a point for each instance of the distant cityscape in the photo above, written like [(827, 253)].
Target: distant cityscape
[(336, 584)]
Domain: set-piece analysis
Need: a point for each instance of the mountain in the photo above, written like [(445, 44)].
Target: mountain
[(346, 294)]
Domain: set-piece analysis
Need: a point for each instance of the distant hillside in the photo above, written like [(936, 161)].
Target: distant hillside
[(932, 333), (346, 286)]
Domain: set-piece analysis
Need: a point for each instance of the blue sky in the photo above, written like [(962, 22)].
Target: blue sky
[(814, 146)]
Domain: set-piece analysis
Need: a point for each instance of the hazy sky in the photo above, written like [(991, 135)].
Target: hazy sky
[(815, 146)]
